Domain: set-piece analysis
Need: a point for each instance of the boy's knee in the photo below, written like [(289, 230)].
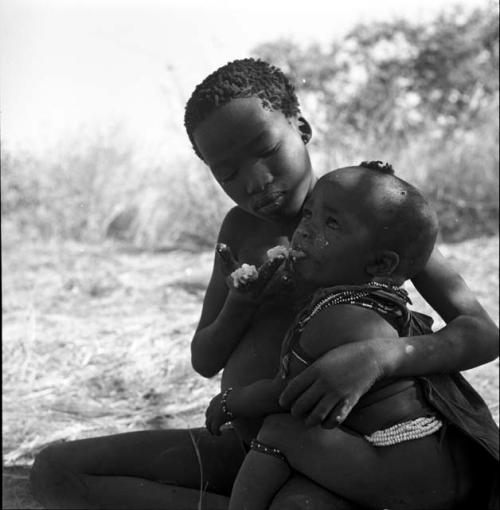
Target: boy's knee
[(49, 474), (292, 502)]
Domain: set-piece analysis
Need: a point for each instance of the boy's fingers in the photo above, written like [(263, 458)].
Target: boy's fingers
[(228, 262), (269, 267), (295, 388), (320, 412), (338, 414), (306, 402)]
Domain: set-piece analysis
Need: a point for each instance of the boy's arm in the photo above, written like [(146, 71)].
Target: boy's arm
[(343, 375), (224, 317), (227, 311)]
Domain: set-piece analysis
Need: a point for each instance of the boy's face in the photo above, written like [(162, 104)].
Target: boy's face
[(334, 241), (257, 156)]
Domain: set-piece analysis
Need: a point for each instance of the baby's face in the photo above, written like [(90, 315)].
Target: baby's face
[(257, 156), (334, 241)]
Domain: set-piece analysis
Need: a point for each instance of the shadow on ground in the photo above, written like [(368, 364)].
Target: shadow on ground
[(15, 488)]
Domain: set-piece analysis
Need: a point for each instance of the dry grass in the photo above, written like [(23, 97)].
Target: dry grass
[(96, 341)]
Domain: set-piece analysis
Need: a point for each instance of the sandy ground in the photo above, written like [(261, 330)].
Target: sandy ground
[(96, 341)]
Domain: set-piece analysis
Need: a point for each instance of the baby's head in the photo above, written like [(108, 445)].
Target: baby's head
[(244, 122), (363, 224)]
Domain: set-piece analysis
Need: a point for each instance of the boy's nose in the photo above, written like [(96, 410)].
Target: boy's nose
[(257, 179)]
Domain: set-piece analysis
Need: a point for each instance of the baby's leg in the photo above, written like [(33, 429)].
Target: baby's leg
[(150, 469), (265, 480), (413, 474), (262, 474)]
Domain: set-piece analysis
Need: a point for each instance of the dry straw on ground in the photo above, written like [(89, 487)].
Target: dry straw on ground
[(96, 341)]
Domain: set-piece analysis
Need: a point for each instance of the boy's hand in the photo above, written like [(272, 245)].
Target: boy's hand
[(326, 392), (267, 281), (215, 416)]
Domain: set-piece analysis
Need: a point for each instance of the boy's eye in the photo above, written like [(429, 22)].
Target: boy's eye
[(306, 213), (269, 152), (331, 222), (227, 176)]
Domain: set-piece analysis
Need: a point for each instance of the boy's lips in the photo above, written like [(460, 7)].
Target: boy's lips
[(268, 203)]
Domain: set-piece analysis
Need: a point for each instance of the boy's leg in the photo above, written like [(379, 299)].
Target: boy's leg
[(301, 493), (412, 474), (150, 469)]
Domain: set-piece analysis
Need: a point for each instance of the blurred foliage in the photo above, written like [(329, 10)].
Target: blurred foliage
[(390, 80), (423, 96), (96, 188)]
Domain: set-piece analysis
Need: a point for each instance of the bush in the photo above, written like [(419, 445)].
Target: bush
[(95, 189)]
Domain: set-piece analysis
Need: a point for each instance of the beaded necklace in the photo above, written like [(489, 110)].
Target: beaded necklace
[(353, 296)]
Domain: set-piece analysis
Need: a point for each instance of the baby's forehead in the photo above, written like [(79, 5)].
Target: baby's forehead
[(358, 189)]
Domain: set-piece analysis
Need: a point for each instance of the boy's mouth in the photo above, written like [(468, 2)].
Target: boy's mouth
[(268, 203)]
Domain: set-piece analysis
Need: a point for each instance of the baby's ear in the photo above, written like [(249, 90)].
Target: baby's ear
[(304, 128), (384, 264)]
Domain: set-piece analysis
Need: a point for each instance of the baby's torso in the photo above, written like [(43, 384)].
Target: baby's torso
[(389, 401)]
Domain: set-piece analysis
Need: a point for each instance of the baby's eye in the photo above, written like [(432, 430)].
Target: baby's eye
[(331, 222), (306, 213)]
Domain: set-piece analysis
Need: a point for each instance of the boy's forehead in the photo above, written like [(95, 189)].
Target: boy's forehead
[(237, 123)]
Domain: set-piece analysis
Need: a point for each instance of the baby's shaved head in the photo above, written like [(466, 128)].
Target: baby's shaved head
[(402, 219)]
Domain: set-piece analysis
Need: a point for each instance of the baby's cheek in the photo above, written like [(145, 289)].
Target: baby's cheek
[(320, 242)]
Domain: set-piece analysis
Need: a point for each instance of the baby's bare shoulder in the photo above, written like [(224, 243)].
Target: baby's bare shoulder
[(341, 324)]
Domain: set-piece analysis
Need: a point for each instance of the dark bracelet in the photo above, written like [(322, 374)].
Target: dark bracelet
[(223, 403)]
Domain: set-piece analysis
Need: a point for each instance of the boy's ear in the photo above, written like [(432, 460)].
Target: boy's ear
[(305, 129), (384, 264)]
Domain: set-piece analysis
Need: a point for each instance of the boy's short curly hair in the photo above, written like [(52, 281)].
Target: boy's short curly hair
[(237, 79)]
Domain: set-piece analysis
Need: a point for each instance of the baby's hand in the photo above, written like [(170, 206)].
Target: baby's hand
[(215, 416), (248, 281)]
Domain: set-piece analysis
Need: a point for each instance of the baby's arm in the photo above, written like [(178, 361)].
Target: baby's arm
[(342, 376), (328, 329), (252, 401)]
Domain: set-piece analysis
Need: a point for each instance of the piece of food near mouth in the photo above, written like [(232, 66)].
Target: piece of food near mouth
[(248, 272)]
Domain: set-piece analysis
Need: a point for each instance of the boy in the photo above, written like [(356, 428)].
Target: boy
[(246, 115), (363, 233)]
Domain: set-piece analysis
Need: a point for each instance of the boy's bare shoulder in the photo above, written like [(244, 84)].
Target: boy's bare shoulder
[(237, 225), (342, 324)]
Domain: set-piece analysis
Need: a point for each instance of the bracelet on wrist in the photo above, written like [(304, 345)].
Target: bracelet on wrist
[(225, 409)]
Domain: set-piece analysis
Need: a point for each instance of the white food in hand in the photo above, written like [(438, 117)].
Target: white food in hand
[(244, 274)]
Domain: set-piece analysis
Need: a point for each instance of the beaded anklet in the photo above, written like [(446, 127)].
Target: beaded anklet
[(223, 402), (268, 450), (405, 431)]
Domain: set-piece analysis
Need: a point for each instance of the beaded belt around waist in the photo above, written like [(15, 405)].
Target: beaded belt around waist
[(405, 431)]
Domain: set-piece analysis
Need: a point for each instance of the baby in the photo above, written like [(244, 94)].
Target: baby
[(363, 233)]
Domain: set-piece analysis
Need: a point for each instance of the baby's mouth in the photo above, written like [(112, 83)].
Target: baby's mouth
[(297, 254)]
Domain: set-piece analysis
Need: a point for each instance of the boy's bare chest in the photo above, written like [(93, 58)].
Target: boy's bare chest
[(254, 248)]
